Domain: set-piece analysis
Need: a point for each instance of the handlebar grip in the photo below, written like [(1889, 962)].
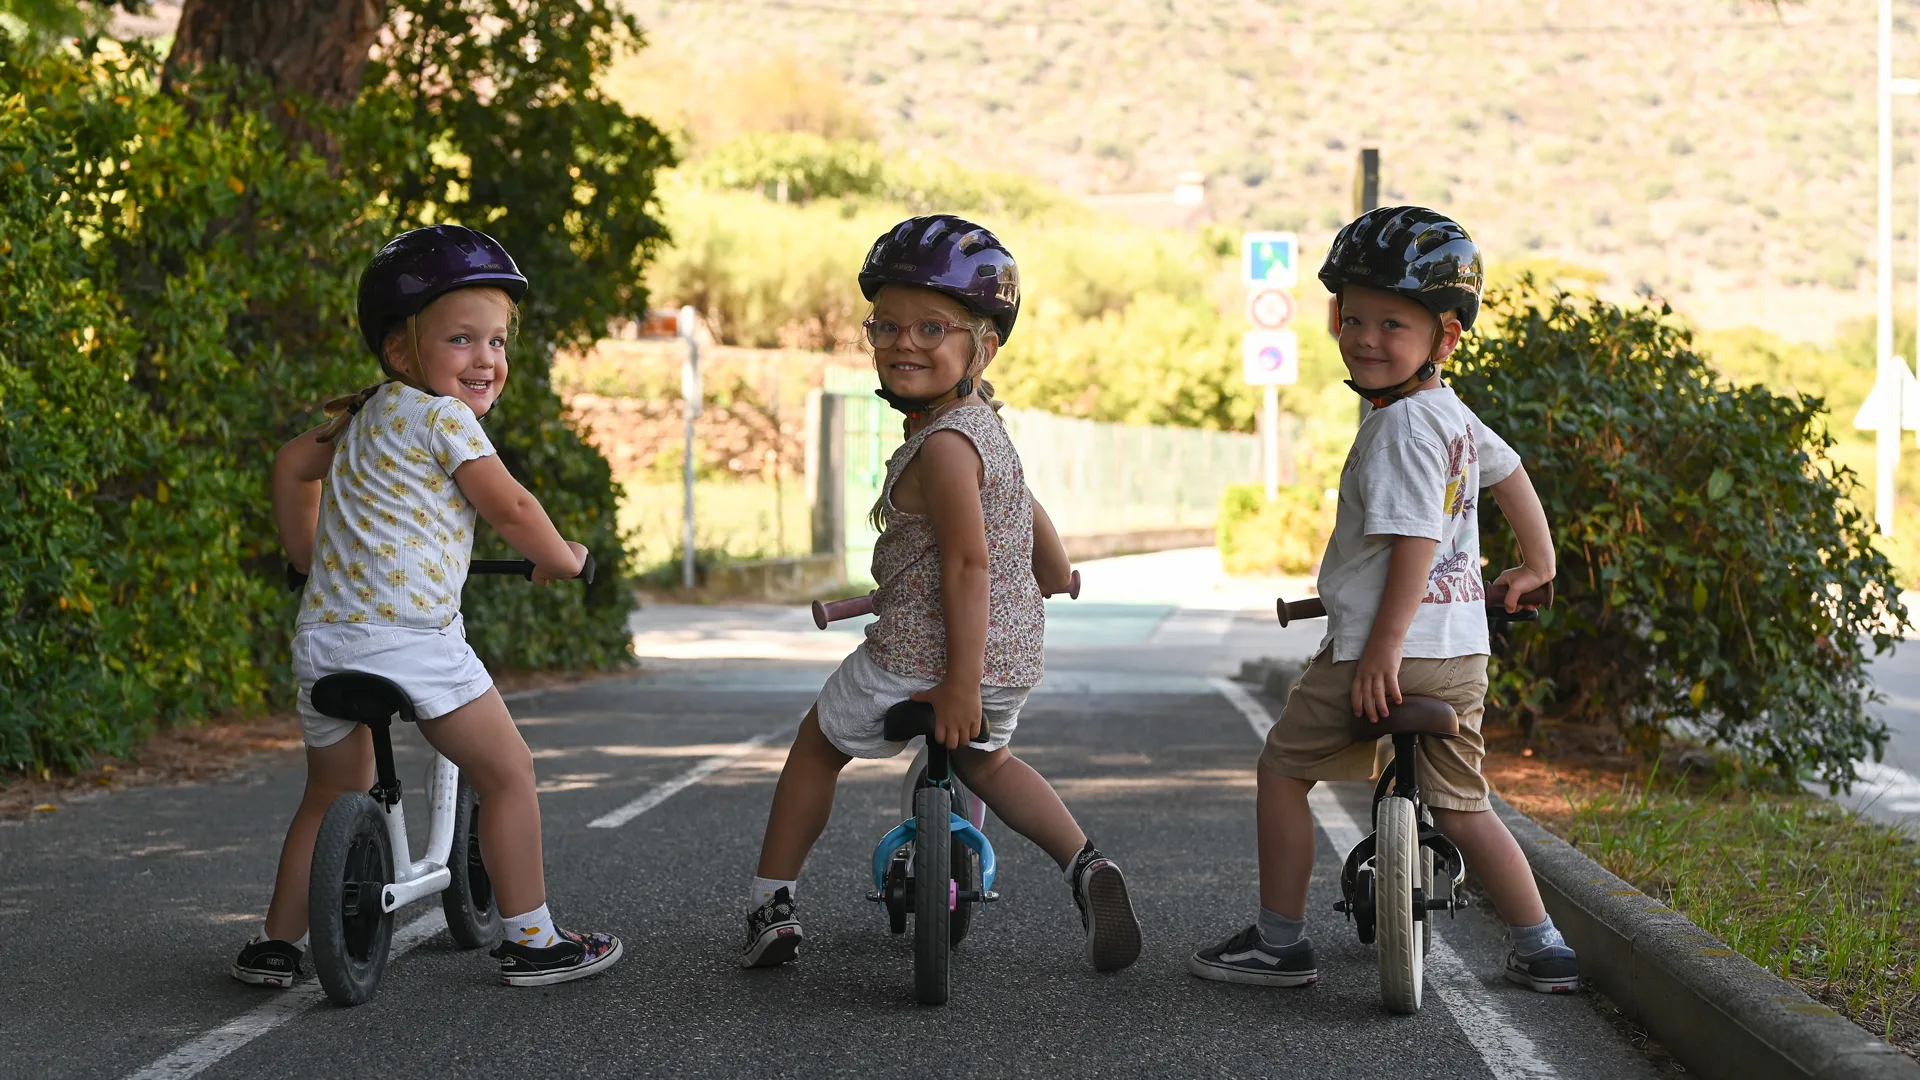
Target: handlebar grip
[(296, 580), (1073, 586), (835, 610), (1313, 607), (524, 568), (1540, 597)]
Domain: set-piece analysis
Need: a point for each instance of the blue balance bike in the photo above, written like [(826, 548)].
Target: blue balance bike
[(937, 865)]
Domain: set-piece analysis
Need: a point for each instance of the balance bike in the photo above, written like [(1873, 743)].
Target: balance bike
[(937, 865), (363, 871), (1388, 882)]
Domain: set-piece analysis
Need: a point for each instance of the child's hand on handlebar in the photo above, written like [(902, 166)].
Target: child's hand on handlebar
[(1376, 684), (956, 713), (544, 574), (1521, 580)]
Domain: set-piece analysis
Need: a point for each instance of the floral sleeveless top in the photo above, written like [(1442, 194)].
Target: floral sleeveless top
[(909, 637)]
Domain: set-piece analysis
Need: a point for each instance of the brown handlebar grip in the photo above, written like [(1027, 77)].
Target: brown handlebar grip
[(1073, 586), (1540, 597), (835, 610), (1312, 607)]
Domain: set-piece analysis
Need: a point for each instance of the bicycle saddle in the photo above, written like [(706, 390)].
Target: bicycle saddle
[(1413, 716), (361, 698), (908, 720)]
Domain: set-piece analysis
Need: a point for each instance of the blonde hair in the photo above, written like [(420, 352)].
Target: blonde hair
[(344, 408)]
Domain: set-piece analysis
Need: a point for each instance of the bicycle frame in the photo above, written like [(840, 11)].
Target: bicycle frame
[(939, 774), (429, 876)]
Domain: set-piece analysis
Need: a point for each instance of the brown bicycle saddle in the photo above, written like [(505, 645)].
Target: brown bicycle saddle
[(1413, 716)]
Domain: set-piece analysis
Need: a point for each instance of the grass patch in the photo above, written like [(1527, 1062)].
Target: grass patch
[(1805, 888), (733, 521)]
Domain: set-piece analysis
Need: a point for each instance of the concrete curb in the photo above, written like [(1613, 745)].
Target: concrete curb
[(1719, 1013)]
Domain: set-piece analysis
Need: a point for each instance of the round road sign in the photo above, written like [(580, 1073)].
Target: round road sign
[(1270, 309)]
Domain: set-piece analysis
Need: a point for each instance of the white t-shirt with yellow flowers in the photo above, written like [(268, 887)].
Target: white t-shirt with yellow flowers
[(395, 533)]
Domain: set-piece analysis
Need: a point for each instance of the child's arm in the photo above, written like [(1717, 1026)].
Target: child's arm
[(949, 469), (1521, 505), (297, 471), (1376, 684), (519, 518), (1052, 570)]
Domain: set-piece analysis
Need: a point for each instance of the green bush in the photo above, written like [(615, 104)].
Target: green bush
[(1285, 536), (1714, 576), (179, 283)]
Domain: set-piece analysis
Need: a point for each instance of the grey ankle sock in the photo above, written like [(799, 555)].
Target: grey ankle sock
[(1528, 940), (1277, 931)]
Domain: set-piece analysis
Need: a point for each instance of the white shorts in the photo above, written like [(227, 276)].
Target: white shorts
[(437, 668), (853, 707)]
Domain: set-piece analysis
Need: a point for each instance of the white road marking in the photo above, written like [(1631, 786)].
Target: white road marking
[(685, 780), (1888, 785), (195, 1056), (1509, 1054)]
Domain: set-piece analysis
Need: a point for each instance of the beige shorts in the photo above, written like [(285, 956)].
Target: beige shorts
[(853, 707), (1310, 740)]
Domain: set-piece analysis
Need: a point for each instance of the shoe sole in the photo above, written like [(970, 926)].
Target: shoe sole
[(262, 978), (777, 944), (1565, 985), (1223, 973), (1113, 937), (578, 971)]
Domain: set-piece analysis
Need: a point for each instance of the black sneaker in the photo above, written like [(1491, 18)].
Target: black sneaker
[(773, 932), (1552, 970), (1113, 934), (574, 956), (268, 963), (1247, 958)]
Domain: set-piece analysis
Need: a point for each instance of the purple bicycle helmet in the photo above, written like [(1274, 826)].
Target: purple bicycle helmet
[(951, 255), (421, 265)]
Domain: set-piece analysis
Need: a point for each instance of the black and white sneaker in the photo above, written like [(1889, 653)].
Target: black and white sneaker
[(773, 933), (1099, 890), (574, 956), (265, 962), (1552, 970), (1246, 958)]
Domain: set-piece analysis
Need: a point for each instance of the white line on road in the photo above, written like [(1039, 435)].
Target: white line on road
[(616, 818), (1509, 1054), (204, 1051)]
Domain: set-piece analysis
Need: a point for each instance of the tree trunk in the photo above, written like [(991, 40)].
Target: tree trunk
[(312, 47)]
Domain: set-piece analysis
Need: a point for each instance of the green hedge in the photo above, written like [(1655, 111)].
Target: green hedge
[(1285, 536), (1715, 577), (179, 286)]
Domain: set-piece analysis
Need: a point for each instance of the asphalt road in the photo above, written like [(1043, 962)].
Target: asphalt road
[(123, 913)]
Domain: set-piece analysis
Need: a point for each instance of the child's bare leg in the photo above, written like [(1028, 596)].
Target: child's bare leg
[(481, 739), (1496, 859), (1022, 799), (802, 801), (332, 771), (1285, 842)]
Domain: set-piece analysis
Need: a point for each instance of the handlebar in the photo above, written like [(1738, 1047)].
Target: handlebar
[(1313, 607), (504, 567), (855, 606)]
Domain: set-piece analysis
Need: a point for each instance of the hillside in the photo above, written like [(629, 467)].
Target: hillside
[(1717, 154)]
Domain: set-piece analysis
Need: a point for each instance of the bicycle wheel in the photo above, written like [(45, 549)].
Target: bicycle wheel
[(1397, 860), (352, 865), (473, 919), (932, 895)]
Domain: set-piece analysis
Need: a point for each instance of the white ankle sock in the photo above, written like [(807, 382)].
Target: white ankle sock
[(264, 936), (535, 928), (763, 888)]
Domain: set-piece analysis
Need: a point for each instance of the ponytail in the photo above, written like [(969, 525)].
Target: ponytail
[(343, 409)]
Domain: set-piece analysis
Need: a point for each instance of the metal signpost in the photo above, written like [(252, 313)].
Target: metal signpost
[(1889, 407), (681, 324), (1270, 355)]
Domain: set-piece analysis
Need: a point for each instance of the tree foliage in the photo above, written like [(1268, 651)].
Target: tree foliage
[(1714, 576)]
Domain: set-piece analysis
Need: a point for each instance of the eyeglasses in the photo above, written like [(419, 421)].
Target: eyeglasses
[(926, 334)]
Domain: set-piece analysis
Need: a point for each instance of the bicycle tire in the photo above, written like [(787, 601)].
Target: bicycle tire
[(351, 937), (932, 895), (1397, 863), (473, 918)]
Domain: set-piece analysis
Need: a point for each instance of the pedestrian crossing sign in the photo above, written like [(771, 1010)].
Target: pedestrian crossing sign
[(1270, 259)]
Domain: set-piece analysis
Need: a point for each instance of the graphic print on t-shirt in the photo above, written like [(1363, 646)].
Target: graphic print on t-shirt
[(1454, 579)]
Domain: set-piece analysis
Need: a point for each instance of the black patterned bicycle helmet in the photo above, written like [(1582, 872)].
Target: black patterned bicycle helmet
[(1411, 250)]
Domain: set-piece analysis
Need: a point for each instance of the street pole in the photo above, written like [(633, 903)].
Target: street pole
[(1887, 438), (1366, 196), (1270, 438), (690, 397)]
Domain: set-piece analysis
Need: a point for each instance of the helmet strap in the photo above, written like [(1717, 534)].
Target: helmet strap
[(918, 408), (1387, 395)]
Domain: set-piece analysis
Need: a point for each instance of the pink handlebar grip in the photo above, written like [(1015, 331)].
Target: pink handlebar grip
[(835, 610), (1073, 589)]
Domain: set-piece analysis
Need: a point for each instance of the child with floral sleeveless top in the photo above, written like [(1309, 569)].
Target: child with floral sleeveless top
[(407, 469), (964, 556)]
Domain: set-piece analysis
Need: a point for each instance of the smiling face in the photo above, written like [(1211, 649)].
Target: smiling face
[(462, 343), (907, 369), (1385, 337)]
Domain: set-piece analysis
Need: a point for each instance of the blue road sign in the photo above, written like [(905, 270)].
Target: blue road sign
[(1270, 259)]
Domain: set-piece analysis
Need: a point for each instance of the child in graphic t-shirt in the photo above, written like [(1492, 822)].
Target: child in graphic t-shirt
[(1405, 604)]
